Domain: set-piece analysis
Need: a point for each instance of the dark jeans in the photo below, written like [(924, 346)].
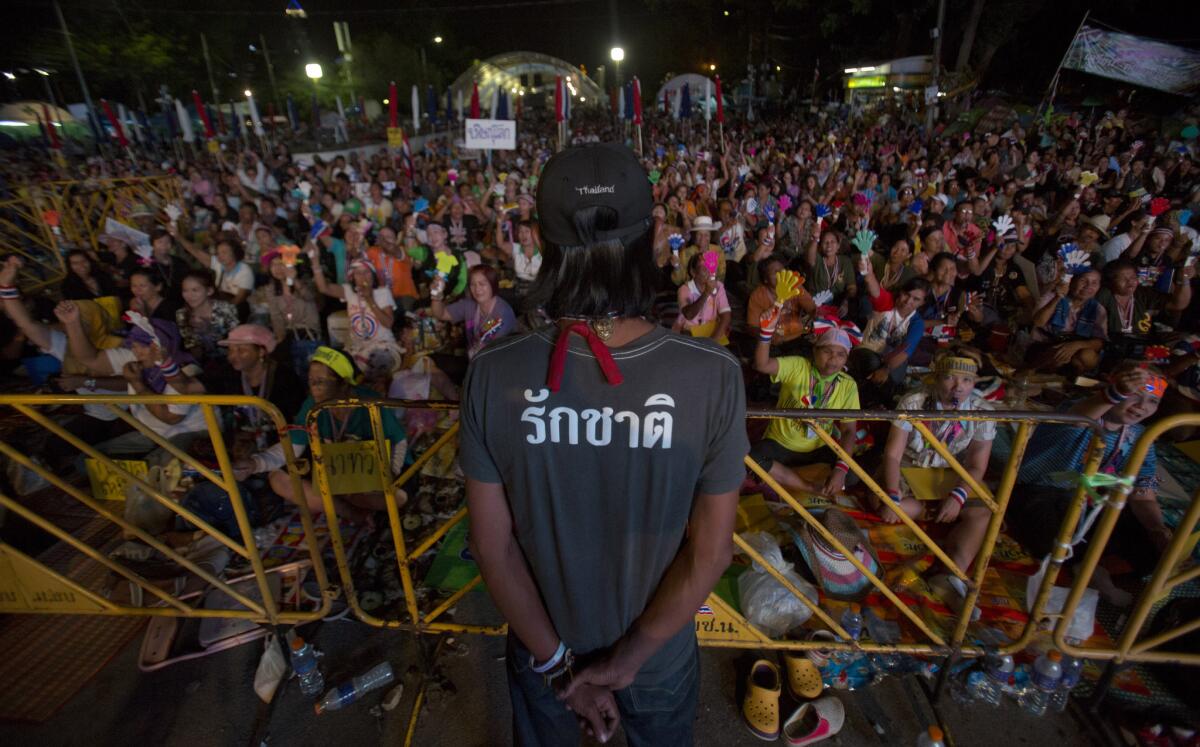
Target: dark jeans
[(662, 714), (211, 502), (768, 451)]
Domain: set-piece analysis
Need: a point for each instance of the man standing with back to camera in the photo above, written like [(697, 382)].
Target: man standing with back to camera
[(603, 457)]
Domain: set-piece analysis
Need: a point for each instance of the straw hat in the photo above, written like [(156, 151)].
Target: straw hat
[(1097, 222), (836, 575), (705, 223)]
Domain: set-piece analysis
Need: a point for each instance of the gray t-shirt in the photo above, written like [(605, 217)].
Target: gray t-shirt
[(601, 479)]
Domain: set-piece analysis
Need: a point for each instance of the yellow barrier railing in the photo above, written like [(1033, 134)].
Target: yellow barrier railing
[(416, 620), (28, 586), (25, 233), (1171, 571), (409, 548)]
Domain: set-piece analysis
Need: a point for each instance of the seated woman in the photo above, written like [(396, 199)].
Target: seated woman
[(234, 278), (146, 287), (372, 312), (83, 282), (819, 384), (830, 273), (332, 376), (1005, 284), (485, 315), (524, 254), (1071, 326), (295, 318), (892, 269), (1132, 308), (160, 366), (704, 309), (895, 328), (951, 386), (203, 320), (791, 318), (1043, 494)]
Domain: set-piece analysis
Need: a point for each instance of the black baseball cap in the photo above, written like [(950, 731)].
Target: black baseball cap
[(593, 175)]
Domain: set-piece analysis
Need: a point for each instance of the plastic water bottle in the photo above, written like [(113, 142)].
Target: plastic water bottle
[(304, 664), (989, 685), (1072, 670), (932, 737), (852, 621), (349, 692), (1044, 680)]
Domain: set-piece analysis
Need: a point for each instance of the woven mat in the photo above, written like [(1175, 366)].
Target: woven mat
[(46, 659)]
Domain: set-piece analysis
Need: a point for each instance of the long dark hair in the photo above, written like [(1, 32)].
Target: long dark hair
[(599, 277)]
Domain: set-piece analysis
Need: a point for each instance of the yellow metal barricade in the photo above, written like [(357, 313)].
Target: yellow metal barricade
[(39, 221), (25, 233), (417, 620), (29, 586), (1175, 567), (726, 627)]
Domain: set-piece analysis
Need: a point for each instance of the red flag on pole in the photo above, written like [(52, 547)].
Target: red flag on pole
[(475, 101), (116, 123), (612, 100), (558, 99), (199, 102), (393, 106), (637, 101), (50, 133), (720, 105), (406, 155)]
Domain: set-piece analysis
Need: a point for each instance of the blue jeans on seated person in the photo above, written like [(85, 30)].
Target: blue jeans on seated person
[(662, 714), (211, 502)]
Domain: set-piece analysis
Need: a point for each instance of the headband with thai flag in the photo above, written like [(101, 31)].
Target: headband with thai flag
[(827, 322)]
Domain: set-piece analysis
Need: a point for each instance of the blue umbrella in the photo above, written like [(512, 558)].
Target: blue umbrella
[(502, 106), (685, 102), (293, 117), (431, 104)]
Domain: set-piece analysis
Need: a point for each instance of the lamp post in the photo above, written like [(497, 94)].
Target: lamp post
[(617, 54), (313, 70)]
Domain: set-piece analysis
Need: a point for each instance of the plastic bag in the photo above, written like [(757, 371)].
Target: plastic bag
[(764, 601), (1082, 622), (271, 668)]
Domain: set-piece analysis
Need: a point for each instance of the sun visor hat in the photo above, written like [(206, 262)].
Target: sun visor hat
[(594, 175)]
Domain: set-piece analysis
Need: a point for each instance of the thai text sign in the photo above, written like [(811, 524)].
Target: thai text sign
[(491, 134)]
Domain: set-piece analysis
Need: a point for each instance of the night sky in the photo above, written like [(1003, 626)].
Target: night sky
[(659, 36)]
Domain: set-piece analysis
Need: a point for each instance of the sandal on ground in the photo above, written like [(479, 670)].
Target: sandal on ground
[(815, 721), (803, 677), (760, 708)]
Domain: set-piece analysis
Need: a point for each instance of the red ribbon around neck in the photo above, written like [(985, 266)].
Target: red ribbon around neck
[(558, 359)]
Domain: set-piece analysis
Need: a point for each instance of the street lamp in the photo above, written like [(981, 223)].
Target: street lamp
[(248, 93), (313, 70), (437, 40), (712, 68), (617, 54)]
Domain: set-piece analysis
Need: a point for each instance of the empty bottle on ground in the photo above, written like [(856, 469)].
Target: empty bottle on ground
[(988, 685), (304, 664), (1043, 681), (1072, 670), (349, 692)]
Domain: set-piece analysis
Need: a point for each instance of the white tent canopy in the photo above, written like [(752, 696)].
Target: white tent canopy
[(696, 87)]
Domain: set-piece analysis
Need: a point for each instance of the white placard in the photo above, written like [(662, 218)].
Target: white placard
[(491, 134)]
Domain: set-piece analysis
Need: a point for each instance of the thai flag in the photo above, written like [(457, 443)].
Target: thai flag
[(559, 110), (704, 610), (637, 101)]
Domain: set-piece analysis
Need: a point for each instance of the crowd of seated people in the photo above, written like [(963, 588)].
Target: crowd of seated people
[(849, 262)]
